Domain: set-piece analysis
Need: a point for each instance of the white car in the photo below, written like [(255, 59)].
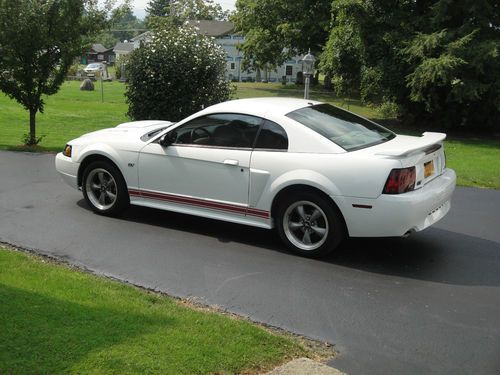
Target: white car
[(94, 68), (315, 172)]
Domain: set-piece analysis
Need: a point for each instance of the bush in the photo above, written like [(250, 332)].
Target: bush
[(175, 74), (388, 109), (73, 70)]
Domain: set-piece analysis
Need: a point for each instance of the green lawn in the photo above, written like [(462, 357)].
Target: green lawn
[(72, 112), (57, 320)]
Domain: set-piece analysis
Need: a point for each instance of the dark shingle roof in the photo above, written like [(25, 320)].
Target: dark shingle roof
[(123, 47), (213, 28), (205, 27), (99, 48)]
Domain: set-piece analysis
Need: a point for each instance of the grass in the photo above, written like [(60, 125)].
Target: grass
[(58, 320), (71, 113)]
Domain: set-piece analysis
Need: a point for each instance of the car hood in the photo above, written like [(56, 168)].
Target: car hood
[(124, 132)]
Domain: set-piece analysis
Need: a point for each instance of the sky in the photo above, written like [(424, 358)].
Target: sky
[(139, 6)]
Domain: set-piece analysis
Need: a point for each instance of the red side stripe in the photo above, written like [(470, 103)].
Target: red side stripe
[(199, 203)]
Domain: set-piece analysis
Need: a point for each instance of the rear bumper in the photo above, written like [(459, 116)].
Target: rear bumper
[(396, 215), (68, 170)]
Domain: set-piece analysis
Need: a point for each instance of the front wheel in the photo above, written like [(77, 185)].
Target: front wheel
[(104, 188), (309, 224)]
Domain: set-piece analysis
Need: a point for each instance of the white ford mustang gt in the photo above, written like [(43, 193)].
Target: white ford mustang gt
[(314, 171)]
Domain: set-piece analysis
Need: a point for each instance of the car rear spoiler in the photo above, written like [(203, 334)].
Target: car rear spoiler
[(427, 142)]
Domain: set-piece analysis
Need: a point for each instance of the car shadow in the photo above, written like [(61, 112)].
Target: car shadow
[(435, 255)]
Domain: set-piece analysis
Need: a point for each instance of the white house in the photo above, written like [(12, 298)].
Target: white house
[(223, 32), (122, 49)]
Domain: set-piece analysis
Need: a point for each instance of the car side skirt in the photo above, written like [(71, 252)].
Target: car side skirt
[(240, 214)]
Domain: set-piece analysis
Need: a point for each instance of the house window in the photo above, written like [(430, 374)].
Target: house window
[(233, 66), (289, 70), (100, 57)]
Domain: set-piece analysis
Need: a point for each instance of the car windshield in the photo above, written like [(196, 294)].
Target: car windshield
[(93, 66), (343, 128)]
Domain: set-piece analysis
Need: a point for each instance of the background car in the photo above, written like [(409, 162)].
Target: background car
[(94, 70), (315, 172)]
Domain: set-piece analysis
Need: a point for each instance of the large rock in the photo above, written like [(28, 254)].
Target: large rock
[(87, 85)]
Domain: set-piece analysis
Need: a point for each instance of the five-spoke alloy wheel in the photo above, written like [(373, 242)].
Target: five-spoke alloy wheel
[(104, 188), (309, 224)]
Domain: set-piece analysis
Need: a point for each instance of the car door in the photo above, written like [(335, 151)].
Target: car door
[(206, 167)]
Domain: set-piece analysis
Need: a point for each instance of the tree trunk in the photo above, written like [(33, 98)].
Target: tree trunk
[(328, 81), (32, 139), (257, 75)]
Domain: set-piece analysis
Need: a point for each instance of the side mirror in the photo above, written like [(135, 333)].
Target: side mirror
[(168, 139)]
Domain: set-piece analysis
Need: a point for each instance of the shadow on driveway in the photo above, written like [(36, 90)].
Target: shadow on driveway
[(435, 254)]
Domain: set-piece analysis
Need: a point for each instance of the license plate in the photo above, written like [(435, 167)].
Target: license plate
[(428, 168)]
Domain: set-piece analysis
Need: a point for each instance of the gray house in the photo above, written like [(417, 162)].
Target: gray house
[(223, 32), (123, 48)]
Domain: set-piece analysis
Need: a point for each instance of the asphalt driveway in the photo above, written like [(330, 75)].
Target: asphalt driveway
[(426, 304)]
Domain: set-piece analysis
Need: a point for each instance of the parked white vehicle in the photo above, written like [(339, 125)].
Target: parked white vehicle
[(315, 172), (95, 70)]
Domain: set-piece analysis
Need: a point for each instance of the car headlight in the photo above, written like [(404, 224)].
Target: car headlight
[(67, 151)]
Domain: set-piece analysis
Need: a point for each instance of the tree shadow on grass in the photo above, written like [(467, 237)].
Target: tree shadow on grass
[(40, 334)]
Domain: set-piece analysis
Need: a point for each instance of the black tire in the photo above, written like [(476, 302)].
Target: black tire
[(100, 183), (296, 226)]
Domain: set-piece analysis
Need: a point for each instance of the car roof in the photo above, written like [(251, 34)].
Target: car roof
[(261, 106)]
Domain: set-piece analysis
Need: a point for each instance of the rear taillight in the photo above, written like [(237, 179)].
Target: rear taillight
[(400, 181)]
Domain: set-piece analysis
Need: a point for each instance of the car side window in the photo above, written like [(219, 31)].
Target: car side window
[(219, 130), (272, 137)]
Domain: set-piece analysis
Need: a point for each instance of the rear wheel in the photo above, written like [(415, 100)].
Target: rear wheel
[(104, 188), (309, 224)]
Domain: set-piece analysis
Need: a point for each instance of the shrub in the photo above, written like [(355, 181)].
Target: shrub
[(388, 108), (73, 69), (175, 74)]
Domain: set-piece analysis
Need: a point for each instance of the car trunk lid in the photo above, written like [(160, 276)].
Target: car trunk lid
[(425, 153)]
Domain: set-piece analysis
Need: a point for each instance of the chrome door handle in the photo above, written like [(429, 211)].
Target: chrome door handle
[(231, 162)]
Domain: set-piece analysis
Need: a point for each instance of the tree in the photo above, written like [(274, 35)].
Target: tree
[(175, 74), (124, 26), (177, 12), (39, 40), (275, 30), (158, 8), (437, 59)]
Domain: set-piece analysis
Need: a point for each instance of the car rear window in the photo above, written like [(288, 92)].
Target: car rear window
[(343, 128)]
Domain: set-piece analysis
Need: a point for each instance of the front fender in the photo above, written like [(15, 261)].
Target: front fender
[(125, 161)]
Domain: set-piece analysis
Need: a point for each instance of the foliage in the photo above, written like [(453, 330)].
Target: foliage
[(439, 59), (39, 41), (158, 8), (476, 161), (175, 74), (275, 30), (388, 109), (123, 26), (28, 140), (177, 12), (120, 66)]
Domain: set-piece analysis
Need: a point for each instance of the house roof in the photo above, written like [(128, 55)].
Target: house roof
[(205, 27), (213, 28), (99, 48), (141, 36), (123, 47)]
